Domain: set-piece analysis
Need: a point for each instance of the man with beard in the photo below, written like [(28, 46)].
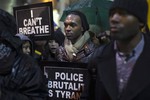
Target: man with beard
[(123, 65), (20, 77)]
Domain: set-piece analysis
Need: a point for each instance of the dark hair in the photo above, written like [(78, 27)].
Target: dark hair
[(58, 36), (83, 18)]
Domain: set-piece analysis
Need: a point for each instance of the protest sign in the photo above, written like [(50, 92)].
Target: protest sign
[(35, 20), (66, 81)]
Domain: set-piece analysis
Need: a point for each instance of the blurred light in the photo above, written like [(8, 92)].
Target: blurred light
[(47, 0), (10, 5), (148, 17)]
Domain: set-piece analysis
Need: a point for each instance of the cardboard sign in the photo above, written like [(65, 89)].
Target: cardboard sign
[(35, 20), (66, 81)]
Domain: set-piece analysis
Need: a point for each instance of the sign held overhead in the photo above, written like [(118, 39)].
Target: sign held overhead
[(35, 20)]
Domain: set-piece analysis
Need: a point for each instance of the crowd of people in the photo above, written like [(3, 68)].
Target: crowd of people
[(117, 58)]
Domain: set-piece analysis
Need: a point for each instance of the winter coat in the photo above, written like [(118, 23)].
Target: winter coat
[(26, 38), (106, 88), (23, 79), (84, 51), (24, 82), (82, 56)]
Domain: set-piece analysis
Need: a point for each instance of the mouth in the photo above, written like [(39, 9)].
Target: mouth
[(68, 33), (113, 29), (53, 48), (68, 36)]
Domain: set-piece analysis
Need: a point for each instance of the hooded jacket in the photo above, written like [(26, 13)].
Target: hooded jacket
[(26, 38), (24, 79)]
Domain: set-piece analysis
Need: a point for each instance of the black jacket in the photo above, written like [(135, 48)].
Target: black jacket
[(138, 86), (23, 79), (24, 82)]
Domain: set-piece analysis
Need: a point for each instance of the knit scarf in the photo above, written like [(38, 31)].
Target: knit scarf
[(72, 49)]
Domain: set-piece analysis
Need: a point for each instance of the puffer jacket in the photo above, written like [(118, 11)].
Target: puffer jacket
[(25, 82)]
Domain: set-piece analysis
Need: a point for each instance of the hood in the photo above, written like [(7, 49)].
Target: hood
[(8, 29), (25, 38)]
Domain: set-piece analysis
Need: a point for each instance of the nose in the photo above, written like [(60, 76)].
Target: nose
[(68, 28), (28, 50), (53, 42), (115, 18)]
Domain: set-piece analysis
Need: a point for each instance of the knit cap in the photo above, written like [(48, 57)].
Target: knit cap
[(138, 8), (58, 36)]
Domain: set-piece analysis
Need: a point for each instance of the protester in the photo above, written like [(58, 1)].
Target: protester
[(39, 50), (94, 30), (104, 37), (123, 64), (27, 45), (56, 40), (20, 77), (78, 46)]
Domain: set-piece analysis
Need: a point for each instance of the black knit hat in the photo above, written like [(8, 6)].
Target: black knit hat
[(139, 8), (58, 36), (83, 18)]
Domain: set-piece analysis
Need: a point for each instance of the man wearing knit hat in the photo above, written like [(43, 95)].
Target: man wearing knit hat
[(123, 65), (78, 46)]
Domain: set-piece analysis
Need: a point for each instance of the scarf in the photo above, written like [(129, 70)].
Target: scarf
[(72, 49)]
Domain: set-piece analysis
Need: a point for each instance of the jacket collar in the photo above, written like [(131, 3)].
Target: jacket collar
[(107, 70), (137, 82)]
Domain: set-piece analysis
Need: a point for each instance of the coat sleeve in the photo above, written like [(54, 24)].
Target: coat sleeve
[(27, 84)]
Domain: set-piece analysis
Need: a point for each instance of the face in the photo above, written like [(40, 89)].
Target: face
[(53, 45), (26, 47), (73, 27), (123, 25)]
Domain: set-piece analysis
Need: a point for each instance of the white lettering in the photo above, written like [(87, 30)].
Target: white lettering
[(50, 93), (69, 76)]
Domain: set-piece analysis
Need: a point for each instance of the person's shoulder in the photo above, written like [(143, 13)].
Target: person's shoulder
[(27, 57), (24, 66), (60, 49), (27, 61), (102, 50), (147, 36), (100, 54)]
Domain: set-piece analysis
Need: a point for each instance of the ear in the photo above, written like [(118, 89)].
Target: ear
[(141, 25)]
